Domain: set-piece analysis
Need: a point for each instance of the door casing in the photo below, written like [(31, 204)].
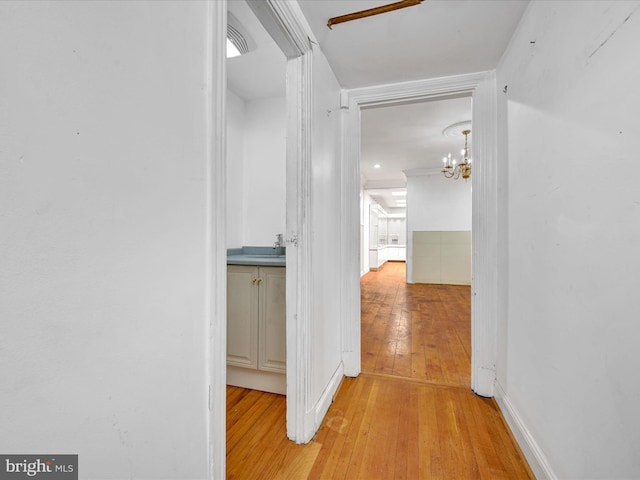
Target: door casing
[(485, 213)]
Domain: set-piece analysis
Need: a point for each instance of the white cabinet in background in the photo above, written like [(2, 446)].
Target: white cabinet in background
[(272, 319), (256, 327), (396, 253), (379, 255)]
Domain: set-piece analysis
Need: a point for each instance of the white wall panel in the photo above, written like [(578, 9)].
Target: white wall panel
[(569, 336), (103, 200), (264, 185), (236, 127), (442, 257)]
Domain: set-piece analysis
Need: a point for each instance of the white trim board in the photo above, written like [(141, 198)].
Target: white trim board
[(257, 379), (287, 26), (215, 223), (537, 460), (481, 87), (326, 399)]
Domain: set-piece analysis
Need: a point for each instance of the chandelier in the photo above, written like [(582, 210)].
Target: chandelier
[(452, 169)]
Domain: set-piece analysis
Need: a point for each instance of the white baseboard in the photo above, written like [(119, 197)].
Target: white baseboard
[(257, 380), (537, 460), (326, 399), (351, 363), (484, 381)]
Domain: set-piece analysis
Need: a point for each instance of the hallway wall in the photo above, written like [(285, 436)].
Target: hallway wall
[(103, 207), (326, 230), (568, 338)]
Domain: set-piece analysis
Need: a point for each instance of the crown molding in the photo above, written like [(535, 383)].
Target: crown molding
[(375, 184), (418, 172)]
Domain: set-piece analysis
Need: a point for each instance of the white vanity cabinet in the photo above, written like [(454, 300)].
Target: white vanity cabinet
[(256, 321)]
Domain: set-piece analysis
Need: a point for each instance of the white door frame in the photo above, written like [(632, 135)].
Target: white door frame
[(215, 237), (484, 284), (286, 24)]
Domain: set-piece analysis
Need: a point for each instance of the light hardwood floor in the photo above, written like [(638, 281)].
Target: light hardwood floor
[(415, 331), (410, 415)]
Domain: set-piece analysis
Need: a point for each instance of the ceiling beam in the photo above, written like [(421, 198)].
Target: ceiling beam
[(372, 11)]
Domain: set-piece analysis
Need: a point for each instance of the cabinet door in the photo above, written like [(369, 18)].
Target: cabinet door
[(242, 316), (273, 319)]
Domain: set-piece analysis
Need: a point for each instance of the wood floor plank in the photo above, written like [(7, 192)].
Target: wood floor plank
[(364, 426), (297, 461), (376, 461), (407, 435), (339, 429), (429, 451)]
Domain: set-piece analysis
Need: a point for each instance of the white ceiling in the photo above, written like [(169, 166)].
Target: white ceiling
[(408, 137), (433, 39)]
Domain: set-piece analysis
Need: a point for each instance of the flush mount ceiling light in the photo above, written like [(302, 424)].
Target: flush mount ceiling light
[(451, 168), (239, 41), (377, 165)]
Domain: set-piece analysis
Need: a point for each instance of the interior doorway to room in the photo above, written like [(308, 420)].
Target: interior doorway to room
[(416, 319), (256, 170)]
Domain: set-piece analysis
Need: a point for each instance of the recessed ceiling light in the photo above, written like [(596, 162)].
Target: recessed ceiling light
[(377, 165), (398, 194)]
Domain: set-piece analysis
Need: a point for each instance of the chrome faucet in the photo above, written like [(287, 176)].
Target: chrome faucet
[(277, 246)]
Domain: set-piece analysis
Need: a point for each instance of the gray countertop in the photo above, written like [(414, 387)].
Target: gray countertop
[(259, 256)]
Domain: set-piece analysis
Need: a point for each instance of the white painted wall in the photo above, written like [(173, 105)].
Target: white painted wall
[(235, 169), (435, 203), (102, 201), (325, 216), (264, 185), (256, 170), (569, 340)]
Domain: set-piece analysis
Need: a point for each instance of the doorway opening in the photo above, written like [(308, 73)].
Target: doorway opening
[(286, 28), (256, 205), (418, 325), (484, 232)]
